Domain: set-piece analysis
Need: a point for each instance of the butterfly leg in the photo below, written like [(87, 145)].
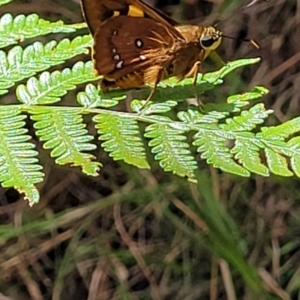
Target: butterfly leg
[(197, 67), (158, 78), (217, 59)]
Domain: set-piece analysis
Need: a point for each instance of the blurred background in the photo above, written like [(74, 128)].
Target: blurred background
[(136, 234)]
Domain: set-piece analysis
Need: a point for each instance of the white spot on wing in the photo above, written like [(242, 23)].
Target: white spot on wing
[(115, 32), (138, 43), (143, 57), (114, 50), (117, 57), (119, 64)]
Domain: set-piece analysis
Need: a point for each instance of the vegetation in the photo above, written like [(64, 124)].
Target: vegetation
[(164, 201)]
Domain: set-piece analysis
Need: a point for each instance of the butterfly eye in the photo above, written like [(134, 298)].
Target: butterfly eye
[(209, 42)]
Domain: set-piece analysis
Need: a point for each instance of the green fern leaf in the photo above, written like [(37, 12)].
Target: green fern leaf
[(50, 87), (122, 138), (171, 89), (2, 2), (19, 64), (248, 119), (277, 163), (194, 116), (212, 144), (246, 151), (255, 93), (92, 98), (12, 30), (236, 102), (171, 150), (228, 68), (64, 132), (152, 107), (278, 151), (294, 145), (282, 131), (19, 166)]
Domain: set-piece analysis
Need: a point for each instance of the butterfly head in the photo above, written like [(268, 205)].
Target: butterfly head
[(210, 39)]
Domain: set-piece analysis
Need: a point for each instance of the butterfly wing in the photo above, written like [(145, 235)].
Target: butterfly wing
[(123, 44), (97, 11), (150, 12)]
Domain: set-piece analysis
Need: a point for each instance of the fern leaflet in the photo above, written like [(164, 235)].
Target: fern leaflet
[(2, 2), (122, 138), (171, 150), (64, 132), (49, 88), (19, 166), (19, 64), (23, 27)]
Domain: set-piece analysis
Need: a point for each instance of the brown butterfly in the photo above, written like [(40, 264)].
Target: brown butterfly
[(135, 44)]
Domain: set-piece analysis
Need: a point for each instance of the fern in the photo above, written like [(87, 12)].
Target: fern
[(19, 64), (23, 27), (171, 149), (2, 2), (50, 87), (18, 163), (122, 138), (63, 131), (230, 136)]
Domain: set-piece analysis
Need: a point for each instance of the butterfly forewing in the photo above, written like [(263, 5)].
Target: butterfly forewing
[(120, 42)]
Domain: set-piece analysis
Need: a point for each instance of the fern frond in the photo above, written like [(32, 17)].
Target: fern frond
[(212, 144), (228, 68), (50, 87), (13, 30), (225, 141), (2, 2), (171, 150), (294, 145), (282, 131), (248, 119), (277, 163), (92, 98), (242, 100), (194, 116), (22, 63), (63, 131), (244, 155), (171, 89), (122, 138), (19, 166), (281, 155), (246, 151)]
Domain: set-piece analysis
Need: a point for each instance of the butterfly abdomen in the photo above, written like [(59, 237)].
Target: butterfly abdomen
[(129, 81)]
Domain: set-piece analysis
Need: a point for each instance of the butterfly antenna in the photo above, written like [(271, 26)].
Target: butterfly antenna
[(252, 42), (253, 2)]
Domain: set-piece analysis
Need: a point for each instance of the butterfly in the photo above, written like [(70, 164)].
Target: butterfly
[(137, 45)]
